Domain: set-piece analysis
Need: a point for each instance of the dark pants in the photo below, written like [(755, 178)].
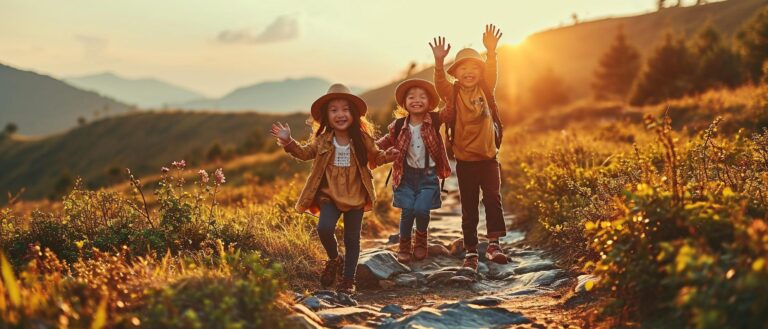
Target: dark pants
[(326, 228), (475, 176)]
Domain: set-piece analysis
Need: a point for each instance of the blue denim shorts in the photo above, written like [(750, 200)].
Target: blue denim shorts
[(419, 189)]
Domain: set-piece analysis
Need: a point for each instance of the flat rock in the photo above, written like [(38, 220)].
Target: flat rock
[(300, 321), (315, 303), (439, 277), (457, 315), (524, 292), (301, 309), (394, 309), (406, 280), (460, 281), (543, 265), (381, 263), (486, 301), (537, 279), (333, 317)]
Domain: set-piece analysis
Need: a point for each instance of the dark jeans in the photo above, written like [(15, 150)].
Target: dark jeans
[(417, 194), (475, 176), (326, 228)]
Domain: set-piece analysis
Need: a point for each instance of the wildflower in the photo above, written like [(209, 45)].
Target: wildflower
[(164, 170), (179, 164), (220, 179), (203, 176)]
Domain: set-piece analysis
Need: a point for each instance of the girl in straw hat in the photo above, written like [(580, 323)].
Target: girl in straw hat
[(423, 162), (340, 181)]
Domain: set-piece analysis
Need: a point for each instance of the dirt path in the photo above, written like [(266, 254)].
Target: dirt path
[(529, 292)]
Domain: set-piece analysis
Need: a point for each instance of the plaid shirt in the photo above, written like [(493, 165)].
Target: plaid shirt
[(432, 141)]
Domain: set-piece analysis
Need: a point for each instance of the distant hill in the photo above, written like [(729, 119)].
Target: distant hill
[(40, 104), (573, 51), (142, 141), (145, 93), (285, 96)]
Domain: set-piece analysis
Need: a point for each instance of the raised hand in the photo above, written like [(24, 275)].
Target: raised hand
[(439, 48), (491, 37), (391, 154), (281, 132)]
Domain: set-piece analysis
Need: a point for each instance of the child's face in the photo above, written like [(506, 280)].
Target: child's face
[(339, 114), (469, 74), (416, 101)]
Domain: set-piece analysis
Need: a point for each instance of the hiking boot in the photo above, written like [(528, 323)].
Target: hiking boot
[(404, 250), (347, 286), (332, 268), (495, 254), (420, 248), (470, 261)]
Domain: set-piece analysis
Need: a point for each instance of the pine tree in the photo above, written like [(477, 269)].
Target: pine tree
[(753, 44), (668, 73), (617, 69), (717, 64)]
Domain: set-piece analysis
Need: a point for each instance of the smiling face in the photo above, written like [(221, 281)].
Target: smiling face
[(469, 73), (416, 101), (340, 114)]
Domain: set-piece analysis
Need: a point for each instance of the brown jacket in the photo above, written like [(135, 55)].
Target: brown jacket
[(321, 149)]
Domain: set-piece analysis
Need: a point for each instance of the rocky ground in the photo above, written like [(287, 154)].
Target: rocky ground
[(531, 291)]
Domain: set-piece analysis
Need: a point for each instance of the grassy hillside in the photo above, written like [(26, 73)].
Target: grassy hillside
[(572, 52), (39, 104), (101, 150)]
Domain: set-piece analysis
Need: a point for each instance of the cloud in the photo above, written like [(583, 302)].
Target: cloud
[(284, 28)]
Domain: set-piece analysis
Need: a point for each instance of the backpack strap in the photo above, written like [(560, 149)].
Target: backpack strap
[(399, 123)]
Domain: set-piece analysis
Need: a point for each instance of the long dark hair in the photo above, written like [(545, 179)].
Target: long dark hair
[(360, 125)]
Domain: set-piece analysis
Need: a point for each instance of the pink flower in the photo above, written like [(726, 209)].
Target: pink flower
[(203, 176), (219, 174), (164, 170), (179, 164)]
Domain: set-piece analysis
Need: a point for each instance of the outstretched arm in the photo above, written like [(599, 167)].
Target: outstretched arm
[(282, 132), (440, 50), (491, 38)]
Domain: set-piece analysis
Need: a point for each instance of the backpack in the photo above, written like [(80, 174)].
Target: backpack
[(399, 123), (498, 128)]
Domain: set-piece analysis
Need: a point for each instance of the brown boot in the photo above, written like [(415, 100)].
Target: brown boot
[(347, 286), (495, 254), (470, 261), (332, 268), (404, 250), (420, 245)]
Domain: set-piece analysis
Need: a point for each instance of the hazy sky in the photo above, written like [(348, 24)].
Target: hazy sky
[(215, 46)]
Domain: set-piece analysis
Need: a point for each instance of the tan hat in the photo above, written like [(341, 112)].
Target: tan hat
[(336, 91), (464, 55), (404, 86)]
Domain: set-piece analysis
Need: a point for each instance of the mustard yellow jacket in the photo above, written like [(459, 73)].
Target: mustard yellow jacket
[(321, 150)]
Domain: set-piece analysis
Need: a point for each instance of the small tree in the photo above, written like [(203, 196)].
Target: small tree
[(753, 44), (717, 64), (668, 73), (11, 128), (617, 69), (548, 90)]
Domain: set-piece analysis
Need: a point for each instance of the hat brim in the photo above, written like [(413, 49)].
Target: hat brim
[(317, 106), (456, 64), (403, 87)]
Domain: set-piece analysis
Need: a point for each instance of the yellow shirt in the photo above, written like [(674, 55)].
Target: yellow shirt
[(474, 135), (343, 185)]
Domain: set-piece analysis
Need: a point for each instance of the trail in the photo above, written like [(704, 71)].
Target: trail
[(531, 291)]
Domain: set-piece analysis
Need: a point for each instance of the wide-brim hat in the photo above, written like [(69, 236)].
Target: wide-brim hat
[(337, 91), (466, 55), (406, 85)]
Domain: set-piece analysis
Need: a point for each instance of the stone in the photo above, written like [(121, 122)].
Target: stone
[(486, 301), (438, 250), (456, 248), (482, 268), (345, 299), (439, 277), (460, 281), (537, 279), (467, 272), (582, 282), (300, 321), (406, 280), (543, 265), (394, 238), (524, 292), (315, 303), (301, 309), (457, 315), (382, 264), (393, 309), (333, 317)]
